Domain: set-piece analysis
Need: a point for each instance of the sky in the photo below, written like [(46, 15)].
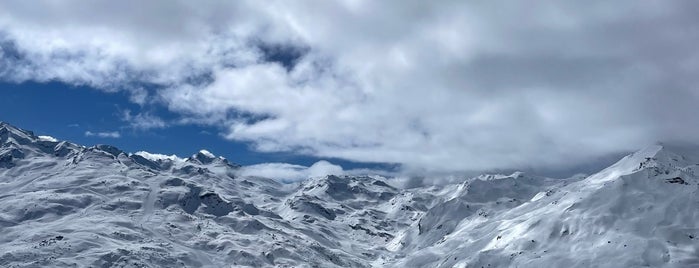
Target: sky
[(421, 86), (88, 117)]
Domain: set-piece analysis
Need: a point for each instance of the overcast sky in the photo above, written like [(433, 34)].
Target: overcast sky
[(437, 86)]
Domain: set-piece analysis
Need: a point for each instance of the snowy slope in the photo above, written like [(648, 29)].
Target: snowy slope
[(640, 212), (66, 205)]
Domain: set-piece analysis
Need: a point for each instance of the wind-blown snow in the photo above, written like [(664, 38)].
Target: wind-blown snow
[(66, 205)]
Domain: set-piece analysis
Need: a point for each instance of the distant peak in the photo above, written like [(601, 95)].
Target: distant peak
[(6, 126), (109, 149), (648, 157), (206, 153), (157, 157), (666, 154), (632, 160), (649, 151), (11, 132), (517, 174), (203, 157)]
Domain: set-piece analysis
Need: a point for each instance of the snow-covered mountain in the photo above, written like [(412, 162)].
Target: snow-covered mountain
[(66, 205)]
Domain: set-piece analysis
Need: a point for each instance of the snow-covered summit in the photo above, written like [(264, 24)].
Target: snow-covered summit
[(159, 157), (206, 153), (205, 157), (11, 134), (638, 212)]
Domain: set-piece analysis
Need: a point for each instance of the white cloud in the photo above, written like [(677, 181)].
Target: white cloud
[(106, 134), (290, 172), (47, 138), (436, 86), (143, 121)]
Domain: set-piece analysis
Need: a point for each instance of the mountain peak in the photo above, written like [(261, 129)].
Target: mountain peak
[(204, 157), (109, 149), (664, 154), (7, 126), (157, 157), (648, 157), (206, 153), (649, 151), (12, 134)]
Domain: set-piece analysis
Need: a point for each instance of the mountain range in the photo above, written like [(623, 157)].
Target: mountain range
[(67, 205)]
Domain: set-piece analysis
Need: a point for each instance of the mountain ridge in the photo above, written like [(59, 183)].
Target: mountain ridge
[(69, 205)]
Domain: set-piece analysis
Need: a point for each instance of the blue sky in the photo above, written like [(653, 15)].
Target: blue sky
[(67, 112), (438, 88)]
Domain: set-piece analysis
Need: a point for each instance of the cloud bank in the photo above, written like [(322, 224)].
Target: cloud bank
[(289, 172), (447, 86)]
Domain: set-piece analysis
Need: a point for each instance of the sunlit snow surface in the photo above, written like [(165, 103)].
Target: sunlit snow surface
[(64, 205)]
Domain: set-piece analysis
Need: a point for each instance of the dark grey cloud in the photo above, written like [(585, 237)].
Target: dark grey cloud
[(438, 87)]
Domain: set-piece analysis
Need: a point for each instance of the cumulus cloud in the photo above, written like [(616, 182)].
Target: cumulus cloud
[(289, 172), (435, 86), (106, 134)]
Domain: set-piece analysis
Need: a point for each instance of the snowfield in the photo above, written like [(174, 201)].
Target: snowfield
[(66, 205)]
